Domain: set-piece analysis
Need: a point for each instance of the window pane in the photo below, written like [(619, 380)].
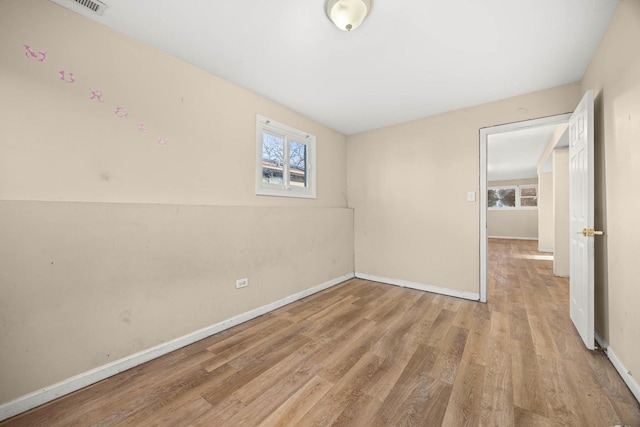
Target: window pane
[(272, 159), (528, 192), (502, 198), (297, 164), (528, 201)]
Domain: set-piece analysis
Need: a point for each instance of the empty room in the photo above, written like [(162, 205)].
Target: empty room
[(314, 213)]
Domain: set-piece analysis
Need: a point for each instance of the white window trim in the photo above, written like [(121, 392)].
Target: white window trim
[(264, 189), (518, 205)]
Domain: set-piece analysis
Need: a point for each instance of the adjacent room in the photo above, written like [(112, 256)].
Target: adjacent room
[(331, 212)]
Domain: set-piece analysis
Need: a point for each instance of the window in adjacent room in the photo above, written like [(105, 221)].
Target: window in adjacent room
[(513, 197), (285, 161), (528, 196)]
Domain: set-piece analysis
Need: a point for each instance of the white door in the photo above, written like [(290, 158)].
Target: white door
[(581, 219)]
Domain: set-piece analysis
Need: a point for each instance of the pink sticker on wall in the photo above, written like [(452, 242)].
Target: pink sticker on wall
[(40, 56), (96, 94), (66, 78)]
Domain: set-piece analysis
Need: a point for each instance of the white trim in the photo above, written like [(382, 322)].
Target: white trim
[(49, 393), (622, 370), (420, 286), (545, 250), (484, 242), (624, 373), (513, 238), (484, 143), (601, 341), (266, 125)]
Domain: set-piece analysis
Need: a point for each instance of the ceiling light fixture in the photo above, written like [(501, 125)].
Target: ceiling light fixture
[(347, 14)]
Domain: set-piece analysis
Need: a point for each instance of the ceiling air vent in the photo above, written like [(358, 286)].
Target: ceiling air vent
[(94, 6)]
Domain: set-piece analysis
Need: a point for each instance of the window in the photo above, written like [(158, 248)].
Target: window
[(529, 196), (513, 197), (285, 161)]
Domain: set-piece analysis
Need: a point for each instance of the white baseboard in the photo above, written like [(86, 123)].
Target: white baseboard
[(420, 286), (512, 238), (622, 370), (47, 394), (624, 373), (601, 341), (545, 250)]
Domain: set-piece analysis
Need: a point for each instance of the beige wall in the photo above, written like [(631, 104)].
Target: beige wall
[(614, 75), (408, 186), (561, 212), (88, 283), (111, 243), (546, 238), (209, 123), (516, 224), (554, 141)]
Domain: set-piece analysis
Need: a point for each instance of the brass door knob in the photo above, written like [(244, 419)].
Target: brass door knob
[(590, 232)]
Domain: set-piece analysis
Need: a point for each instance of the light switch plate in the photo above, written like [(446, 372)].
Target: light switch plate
[(471, 196)]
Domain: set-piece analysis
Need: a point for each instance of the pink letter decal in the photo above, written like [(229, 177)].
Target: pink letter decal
[(96, 94), (142, 127), (70, 80), (31, 54), (163, 141), (121, 112)]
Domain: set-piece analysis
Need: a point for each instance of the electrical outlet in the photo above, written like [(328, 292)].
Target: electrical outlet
[(242, 283)]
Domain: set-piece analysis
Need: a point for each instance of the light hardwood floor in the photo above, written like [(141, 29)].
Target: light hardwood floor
[(368, 354)]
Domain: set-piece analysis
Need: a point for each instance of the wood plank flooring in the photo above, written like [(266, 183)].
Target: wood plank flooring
[(368, 354)]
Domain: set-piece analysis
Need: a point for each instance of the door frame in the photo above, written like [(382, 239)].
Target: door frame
[(484, 140)]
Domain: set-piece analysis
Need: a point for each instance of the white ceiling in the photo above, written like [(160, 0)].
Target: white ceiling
[(515, 155), (409, 59)]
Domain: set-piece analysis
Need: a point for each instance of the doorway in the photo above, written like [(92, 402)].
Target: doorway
[(485, 135)]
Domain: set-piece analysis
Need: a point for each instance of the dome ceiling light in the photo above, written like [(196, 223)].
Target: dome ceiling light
[(347, 14)]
